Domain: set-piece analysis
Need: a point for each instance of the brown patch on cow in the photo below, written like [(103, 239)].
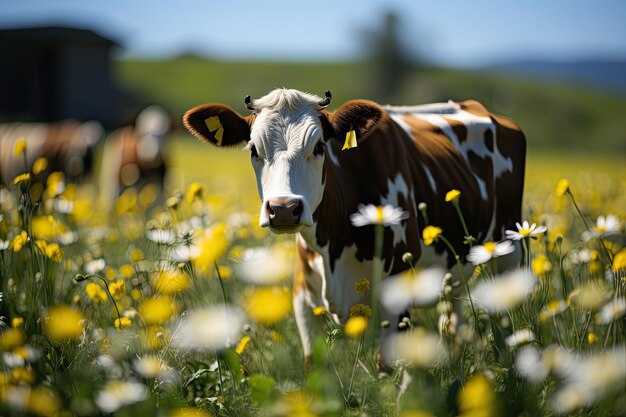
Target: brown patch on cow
[(474, 107), (489, 140)]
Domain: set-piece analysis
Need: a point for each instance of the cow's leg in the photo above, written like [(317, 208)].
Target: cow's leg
[(302, 313)]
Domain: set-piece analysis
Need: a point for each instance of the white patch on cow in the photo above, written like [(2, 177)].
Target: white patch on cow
[(399, 119), (431, 179), (394, 189), (331, 155), (286, 129), (300, 307), (434, 108)]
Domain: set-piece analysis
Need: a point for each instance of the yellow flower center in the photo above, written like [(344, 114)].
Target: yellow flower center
[(490, 246), (379, 214), (524, 232)]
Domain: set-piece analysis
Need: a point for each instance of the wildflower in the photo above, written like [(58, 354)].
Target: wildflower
[(319, 310), (541, 265), (11, 339), (417, 347), (592, 338), (55, 184), (122, 323), (268, 305), (95, 266), (420, 289), (608, 224), (194, 192), (189, 412), (524, 230), (504, 292), (619, 261), (157, 310), (96, 292), (265, 265), (355, 326), (117, 289), (172, 281), (430, 234), (371, 214), (40, 165), (172, 202), (587, 380), (243, 343), (136, 255), (615, 309), (127, 271), (50, 250), (562, 187), (453, 195), (19, 147), (19, 241), (520, 337), (209, 329), (117, 394), (63, 205), (4, 244), (63, 323), (590, 296), (213, 246), (479, 254), (161, 236), (17, 322), (360, 310), (552, 309), (151, 367), (362, 285), (477, 397), (22, 179)]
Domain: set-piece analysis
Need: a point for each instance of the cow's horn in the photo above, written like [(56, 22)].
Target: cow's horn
[(248, 103), (326, 102)]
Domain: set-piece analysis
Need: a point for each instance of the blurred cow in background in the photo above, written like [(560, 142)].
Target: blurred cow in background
[(133, 155), (67, 145)]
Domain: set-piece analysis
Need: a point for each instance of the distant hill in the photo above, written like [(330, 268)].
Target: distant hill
[(604, 74)]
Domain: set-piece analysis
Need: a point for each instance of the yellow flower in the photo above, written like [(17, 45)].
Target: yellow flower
[(592, 338), (241, 346), (541, 265), (153, 337), (171, 282), (17, 322), (47, 227), (136, 255), (124, 323), (19, 241), (562, 187), (157, 310), (126, 202), (63, 323), (148, 195), (135, 294), (40, 165), (619, 261), (22, 375), (19, 147), (362, 285), (360, 310), (477, 397), (55, 184), (355, 326), (416, 413), (194, 191), (11, 339), (127, 271), (96, 292), (268, 305), (452, 195), (22, 178), (172, 202), (319, 310), (118, 289), (50, 250), (213, 246), (430, 234), (43, 402), (189, 412), (553, 308)]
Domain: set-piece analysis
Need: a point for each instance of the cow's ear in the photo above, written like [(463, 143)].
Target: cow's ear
[(218, 124), (358, 115)]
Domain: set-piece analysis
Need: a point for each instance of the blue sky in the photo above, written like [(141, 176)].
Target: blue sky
[(457, 33)]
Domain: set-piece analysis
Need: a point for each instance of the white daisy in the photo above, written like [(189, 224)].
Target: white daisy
[(406, 289), (161, 236), (524, 230), (615, 309), (479, 254), (95, 266), (520, 337), (265, 265), (418, 347), (117, 394), (371, 214), (505, 291), (604, 226), (209, 329)]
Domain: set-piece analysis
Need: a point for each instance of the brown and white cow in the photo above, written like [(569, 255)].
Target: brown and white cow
[(133, 156), (405, 155), (68, 145)]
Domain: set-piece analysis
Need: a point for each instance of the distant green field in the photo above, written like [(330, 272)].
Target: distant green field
[(553, 116)]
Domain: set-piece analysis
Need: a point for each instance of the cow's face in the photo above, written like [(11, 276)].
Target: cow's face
[(286, 136)]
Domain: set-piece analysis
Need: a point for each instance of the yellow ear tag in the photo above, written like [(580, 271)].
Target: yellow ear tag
[(350, 141), (213, 123)]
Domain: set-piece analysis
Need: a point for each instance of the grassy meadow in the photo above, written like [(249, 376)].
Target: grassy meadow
[(180, 305)]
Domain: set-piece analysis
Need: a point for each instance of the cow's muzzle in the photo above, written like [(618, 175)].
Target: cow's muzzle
[(284, 214)]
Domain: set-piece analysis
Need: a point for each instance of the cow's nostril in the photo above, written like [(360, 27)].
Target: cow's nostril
[(297, 211), (270, 211)]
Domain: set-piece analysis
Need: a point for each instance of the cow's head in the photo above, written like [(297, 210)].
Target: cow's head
[(287, 135)]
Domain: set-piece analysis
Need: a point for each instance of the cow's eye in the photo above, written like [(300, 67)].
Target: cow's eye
[(253, 151), (319, 149)]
